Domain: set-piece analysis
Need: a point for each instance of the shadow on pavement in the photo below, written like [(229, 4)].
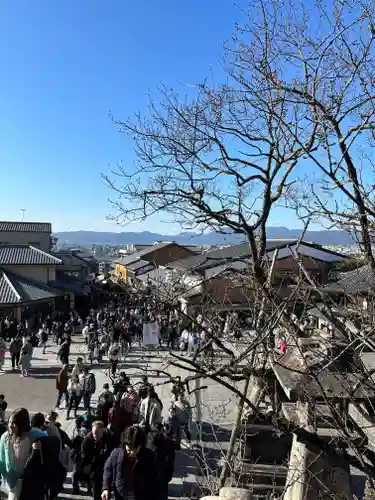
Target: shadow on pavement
[(47, 370)]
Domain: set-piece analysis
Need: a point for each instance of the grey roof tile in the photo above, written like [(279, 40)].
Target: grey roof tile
[(139, 264), (223, 255), (315, 375), (133, 257), (25, 227), (19, 255), (16, 289), (8, 294), (361, 280), (70, 258), (233, 253)]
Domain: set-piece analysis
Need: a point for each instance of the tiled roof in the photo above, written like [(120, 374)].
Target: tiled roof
[(360, 280), (133, 257), (85, 257), (223, 255), (242, 252), (139, 264), (309, 375), (20, 255), (15, 289), (69, 258), (25, 227), (8, 294)]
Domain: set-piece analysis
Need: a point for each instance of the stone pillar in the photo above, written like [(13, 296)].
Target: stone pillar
[(255, 391), (297, 478), (228, 493), (311, 475)]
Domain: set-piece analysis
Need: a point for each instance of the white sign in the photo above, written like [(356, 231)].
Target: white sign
[(150, 334)]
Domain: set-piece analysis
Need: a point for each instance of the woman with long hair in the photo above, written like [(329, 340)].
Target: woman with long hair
[(16, 447), (130, 471)]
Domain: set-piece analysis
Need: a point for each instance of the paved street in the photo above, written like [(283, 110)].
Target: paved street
[(38, 393)]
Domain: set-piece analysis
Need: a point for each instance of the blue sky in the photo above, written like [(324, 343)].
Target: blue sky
[(65, 65)]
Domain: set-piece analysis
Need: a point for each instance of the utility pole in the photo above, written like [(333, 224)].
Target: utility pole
[(22, 210)]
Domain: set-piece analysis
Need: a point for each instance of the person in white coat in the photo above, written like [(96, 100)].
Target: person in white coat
[(150, 411), (77, 369), (85, 333), (184, 339)]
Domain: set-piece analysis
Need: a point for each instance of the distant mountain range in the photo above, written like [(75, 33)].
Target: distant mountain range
[(145, 238)]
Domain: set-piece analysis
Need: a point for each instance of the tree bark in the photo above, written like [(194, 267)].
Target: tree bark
[(225, 471)]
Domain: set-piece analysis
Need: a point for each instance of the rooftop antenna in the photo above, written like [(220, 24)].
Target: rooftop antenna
[(23, 210)]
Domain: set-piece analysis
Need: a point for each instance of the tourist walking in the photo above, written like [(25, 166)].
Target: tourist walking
[(106, 400), (64, 352), (62, 381), (29, 464), (77, 369), (74, 391), (15, 347), (26, 355), (184, 414), (96, 448), (114, 355), (88, 387), (43, 338), (165, 453), (150, 411), (130, 471)]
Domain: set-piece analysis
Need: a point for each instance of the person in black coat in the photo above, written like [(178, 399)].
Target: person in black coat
[(130, 471), (44, 475), (45, 462), (96, 448), (79, 434), (165, 453)]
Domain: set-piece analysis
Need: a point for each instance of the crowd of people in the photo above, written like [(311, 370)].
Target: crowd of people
[(121, 446)]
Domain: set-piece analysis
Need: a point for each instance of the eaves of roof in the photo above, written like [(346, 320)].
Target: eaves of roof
[(20, 255), (16, 289), (133, 257)]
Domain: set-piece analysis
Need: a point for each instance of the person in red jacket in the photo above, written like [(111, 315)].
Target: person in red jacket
[(282, 346), (118, 418)]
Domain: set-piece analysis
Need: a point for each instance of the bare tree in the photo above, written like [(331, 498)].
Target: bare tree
[(292, 117), (322, 60)]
